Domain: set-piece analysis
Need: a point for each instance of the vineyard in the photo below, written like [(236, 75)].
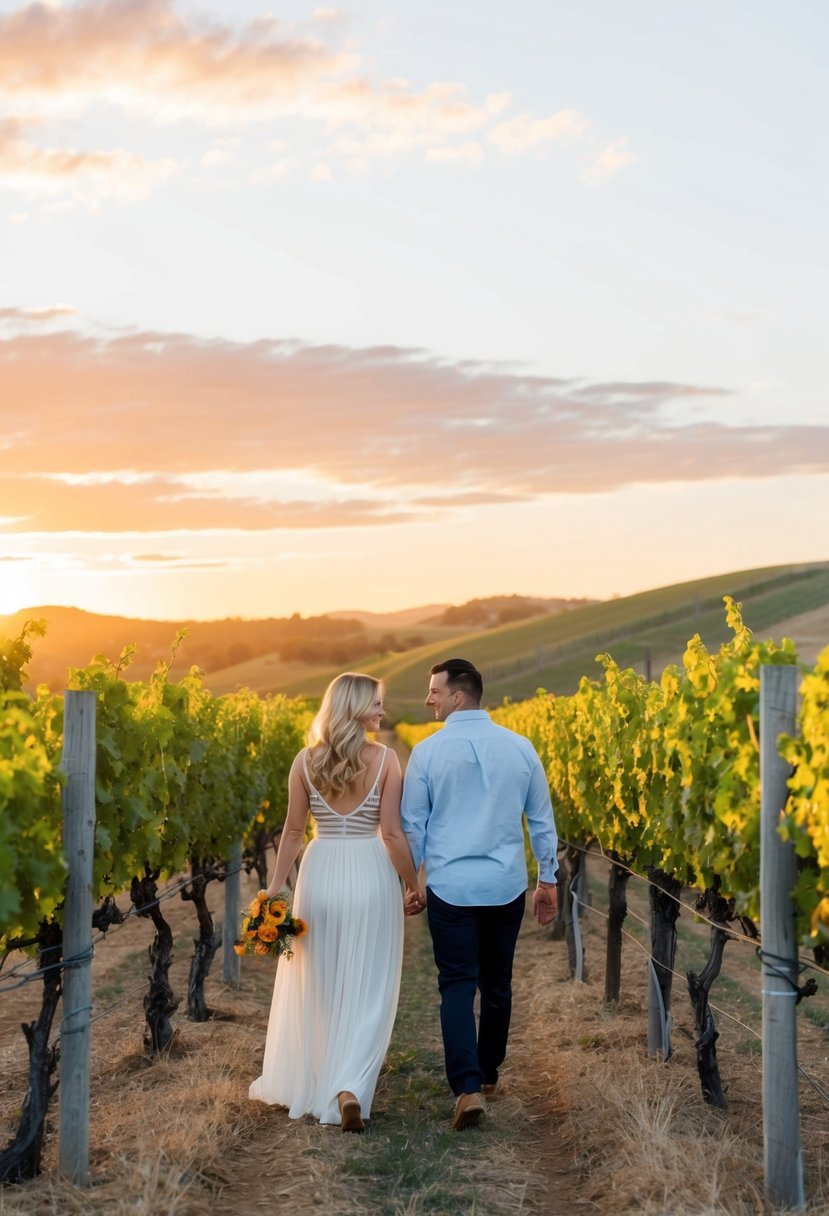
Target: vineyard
[(663, 779), (664, 776), (181, 777), (655, 779)]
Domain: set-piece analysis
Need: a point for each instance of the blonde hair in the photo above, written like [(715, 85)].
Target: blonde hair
[(336, 738)]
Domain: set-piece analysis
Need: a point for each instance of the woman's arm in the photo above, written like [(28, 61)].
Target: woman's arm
[(394, 838), (293, 833)]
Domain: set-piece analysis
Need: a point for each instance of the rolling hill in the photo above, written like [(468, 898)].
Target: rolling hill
[(552, 649), (264, 654), (645, 631)]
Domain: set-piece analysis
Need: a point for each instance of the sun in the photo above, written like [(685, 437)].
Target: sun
[(15, 588)]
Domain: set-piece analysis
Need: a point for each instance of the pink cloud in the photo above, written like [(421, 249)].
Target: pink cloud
[(146, 58), (105, 173), (133, 45), (161, 431)]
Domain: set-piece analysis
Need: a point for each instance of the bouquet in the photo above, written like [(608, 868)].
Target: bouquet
[(269, 928)]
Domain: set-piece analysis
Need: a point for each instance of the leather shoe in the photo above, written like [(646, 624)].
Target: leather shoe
[(351, 1117), (489, 1091), (468, 1110)]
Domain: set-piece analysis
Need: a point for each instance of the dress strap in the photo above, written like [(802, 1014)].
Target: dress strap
[(311, 785), (382, 762), (314, 789)]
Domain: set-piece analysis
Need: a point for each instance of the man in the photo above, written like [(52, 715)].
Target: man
[(465, 791)]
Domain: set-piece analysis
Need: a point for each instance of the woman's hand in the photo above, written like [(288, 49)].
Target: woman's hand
[(414, 901)]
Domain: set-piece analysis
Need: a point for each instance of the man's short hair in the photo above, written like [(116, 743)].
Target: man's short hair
[(461, 676)]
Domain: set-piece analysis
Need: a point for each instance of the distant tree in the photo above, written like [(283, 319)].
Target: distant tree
[(238, 652)]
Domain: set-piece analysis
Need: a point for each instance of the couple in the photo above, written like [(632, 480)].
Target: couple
[(466, 790)]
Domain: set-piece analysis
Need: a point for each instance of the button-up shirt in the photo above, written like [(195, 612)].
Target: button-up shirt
[(466, 790)]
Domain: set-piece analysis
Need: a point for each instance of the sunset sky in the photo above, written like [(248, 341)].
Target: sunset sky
[(304, 309)]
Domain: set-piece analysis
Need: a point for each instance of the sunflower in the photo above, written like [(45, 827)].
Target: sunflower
[(278, 905), (300, 927)]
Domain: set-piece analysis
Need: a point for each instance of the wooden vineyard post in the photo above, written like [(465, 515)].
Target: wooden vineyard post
[(231, 970), (781, 1108), (78, 765)]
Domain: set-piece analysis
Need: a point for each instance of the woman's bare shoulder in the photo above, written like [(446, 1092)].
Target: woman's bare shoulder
[(389, 761)]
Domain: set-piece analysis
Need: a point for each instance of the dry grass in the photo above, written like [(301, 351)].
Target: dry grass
[(637, 1130), (585, 1121)]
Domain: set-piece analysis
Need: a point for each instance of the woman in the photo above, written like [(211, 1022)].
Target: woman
[(335, 1001)]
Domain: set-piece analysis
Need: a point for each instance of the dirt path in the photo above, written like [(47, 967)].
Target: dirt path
[(516, 1162)]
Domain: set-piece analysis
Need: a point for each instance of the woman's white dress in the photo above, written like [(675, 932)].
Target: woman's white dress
[(335, 1001)]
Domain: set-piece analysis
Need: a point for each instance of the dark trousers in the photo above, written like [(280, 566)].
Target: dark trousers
[(474, 949)]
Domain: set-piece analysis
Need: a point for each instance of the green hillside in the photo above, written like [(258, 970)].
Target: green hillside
[(553, 652)]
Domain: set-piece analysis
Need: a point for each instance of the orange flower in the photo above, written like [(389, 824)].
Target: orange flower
[(268, 933), (240, 948), (261, 948), (300, 927), (250, 933)]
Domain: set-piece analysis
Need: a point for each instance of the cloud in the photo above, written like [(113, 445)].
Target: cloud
[(143, 60), (223, 152), (37, 316), (280, 168), (496, 103), (526, 132), (164, 504), (328, 15), (140, 52), (611, 160), (158, 431), (94, 175), (469, 154)]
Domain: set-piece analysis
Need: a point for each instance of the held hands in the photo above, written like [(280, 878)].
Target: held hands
[(414, 901), (545, 904)]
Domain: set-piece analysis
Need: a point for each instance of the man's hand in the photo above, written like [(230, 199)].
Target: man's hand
[(545, 903), (414, 901)]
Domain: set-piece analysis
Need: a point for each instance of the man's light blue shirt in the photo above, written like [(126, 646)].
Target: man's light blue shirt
[(466, 790)]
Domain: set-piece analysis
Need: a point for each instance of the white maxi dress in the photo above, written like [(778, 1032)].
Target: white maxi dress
[(335, 1001)]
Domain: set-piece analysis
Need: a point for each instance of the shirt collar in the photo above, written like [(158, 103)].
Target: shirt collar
[(466, 715)]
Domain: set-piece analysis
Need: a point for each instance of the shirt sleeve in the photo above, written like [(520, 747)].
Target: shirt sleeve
[(541, 823), (416, 806)]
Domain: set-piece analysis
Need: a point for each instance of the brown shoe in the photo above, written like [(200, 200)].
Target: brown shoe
[(468, 1111), (351, 1117), (489, 1091)]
